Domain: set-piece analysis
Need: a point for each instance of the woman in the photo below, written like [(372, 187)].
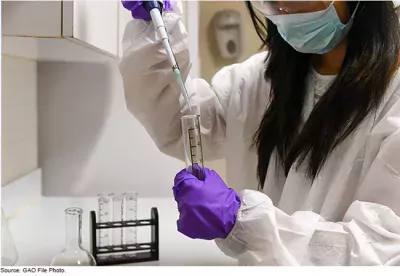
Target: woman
[(313, 125)]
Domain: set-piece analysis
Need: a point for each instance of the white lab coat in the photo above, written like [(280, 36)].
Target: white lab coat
[(348, 216)]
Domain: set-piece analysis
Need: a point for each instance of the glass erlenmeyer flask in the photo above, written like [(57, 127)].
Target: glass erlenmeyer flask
[(9, 255), (73, 254)]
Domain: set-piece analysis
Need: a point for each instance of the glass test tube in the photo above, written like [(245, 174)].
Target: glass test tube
[(104, 211), (118, 207), (192, 145), (130, 214)]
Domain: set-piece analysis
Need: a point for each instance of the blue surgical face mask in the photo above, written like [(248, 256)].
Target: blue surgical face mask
[(316, 32)]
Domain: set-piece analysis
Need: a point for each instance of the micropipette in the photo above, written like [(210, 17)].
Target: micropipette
[(155, 9)]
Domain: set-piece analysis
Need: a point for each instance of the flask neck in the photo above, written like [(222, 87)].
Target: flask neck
[(73, 227)]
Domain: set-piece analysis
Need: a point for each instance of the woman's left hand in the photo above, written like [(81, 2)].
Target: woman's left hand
[(207, 208)]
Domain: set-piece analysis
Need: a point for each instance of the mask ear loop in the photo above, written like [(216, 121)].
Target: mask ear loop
[(355, 10)]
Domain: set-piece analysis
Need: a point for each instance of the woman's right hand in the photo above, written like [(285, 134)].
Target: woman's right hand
[(137, 10)]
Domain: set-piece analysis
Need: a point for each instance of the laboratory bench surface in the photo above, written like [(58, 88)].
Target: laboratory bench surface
[(39, 233), (37, 224)]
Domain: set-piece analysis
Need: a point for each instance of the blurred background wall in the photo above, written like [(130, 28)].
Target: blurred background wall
[(210, 60)]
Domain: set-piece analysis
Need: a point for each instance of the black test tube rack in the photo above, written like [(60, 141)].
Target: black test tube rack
[(125, 253)]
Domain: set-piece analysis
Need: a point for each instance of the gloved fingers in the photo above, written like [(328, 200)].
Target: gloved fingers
[(136, 9), (195, 168), (211, 174), (191, 172), (197, 171), (185, 227), (186, 185), (130, 5), (201, 222), (183, 175), (207, 171), (183, 180), (167, 6), (181, 229), (207, 209)]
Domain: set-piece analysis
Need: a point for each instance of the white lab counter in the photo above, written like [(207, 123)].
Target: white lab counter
[(39, 232)]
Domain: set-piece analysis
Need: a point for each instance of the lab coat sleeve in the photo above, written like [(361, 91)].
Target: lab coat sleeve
[(153, 97), (369, 233), (264, 235)]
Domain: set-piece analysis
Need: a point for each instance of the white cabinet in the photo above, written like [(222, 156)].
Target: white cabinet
[(36, 19), (95, 23), (191, 20), (61, 30), (80, 30)]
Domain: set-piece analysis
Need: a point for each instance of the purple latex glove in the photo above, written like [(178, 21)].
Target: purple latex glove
[(207, 208), (138, 12)]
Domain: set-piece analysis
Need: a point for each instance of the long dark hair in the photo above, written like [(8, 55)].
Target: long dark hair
[(371, 60)]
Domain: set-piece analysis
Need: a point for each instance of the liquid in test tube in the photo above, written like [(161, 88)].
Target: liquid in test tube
[(192, 145), (104, 210), (130, 214), (118, 206)]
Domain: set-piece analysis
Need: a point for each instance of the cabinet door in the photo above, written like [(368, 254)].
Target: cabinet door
[(191, 20), (94, 23), (31, 18)]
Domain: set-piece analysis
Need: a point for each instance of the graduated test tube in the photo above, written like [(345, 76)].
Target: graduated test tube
[(118, 207), (192, 145), (104, 210), (130, 214)]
